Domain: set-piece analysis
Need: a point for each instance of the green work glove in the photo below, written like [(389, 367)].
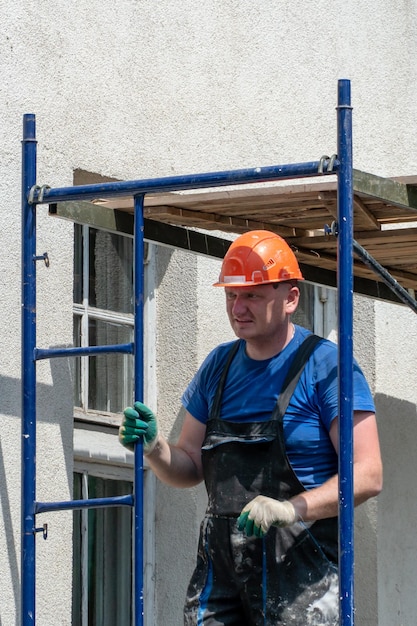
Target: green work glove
[(262, 512), (138, 422)]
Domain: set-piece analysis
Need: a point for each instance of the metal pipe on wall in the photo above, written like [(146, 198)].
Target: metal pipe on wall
[(139, 248), (345, 331), (28, 442)]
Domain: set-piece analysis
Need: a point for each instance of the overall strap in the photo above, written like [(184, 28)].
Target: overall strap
[(215, 408), (296, 368)]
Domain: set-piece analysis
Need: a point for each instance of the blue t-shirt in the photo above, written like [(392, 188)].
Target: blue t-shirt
[(251, 391)]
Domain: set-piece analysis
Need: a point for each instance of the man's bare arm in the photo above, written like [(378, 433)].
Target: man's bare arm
[(323, 501), (180, 465)]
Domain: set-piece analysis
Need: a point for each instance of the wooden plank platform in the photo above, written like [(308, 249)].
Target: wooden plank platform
[(385, 218)]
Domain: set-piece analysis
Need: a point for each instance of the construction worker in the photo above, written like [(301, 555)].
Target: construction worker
[(261, 430)]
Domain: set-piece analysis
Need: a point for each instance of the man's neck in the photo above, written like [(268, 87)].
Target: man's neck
[(260, 351)]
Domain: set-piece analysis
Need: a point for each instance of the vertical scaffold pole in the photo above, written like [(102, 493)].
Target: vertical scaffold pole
[(345, 329), (28, 430), (139, 390)]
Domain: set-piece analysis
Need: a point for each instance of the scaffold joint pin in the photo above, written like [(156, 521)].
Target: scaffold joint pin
[(44, 530), (43, 257)]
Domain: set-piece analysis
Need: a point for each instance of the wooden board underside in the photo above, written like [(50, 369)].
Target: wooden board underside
[(384, 223)]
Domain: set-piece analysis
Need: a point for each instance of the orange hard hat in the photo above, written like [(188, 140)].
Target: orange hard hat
[(258, 257)]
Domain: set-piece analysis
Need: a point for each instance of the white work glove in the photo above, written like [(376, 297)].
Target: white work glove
[(262, 512)]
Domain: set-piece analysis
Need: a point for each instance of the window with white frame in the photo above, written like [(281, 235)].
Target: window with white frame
[(102, 567), (317, 310), (304, 315), (102, 537), (103, 315)]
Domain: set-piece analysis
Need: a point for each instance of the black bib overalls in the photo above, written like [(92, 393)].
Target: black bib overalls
[(289, 577)]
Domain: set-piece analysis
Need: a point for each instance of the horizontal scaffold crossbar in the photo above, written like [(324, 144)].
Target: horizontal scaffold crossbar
[(91, 503), (47, 195), (53, 353)]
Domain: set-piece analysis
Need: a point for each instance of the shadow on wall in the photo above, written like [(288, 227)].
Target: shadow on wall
[(55, 406), (366, 566), (8, 531), (397, 512)]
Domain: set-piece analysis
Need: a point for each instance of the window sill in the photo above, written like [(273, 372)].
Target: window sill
[(97, 417)]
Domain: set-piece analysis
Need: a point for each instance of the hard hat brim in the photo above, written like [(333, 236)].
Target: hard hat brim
[(253, 283)]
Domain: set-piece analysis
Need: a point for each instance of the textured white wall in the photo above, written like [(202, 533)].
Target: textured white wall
[(135, 89), (396, 338)]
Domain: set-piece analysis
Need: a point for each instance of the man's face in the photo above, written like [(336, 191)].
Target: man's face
[(260, 313)]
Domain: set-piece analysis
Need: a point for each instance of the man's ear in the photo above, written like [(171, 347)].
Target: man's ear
[(293, 299)]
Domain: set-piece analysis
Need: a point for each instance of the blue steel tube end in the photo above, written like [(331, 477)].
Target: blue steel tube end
[(29, 127), (343, 91)]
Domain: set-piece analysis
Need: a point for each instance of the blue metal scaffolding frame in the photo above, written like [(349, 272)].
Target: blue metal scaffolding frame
[(32, 195)]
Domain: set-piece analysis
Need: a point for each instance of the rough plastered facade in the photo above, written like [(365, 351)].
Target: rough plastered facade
[(136, 89)]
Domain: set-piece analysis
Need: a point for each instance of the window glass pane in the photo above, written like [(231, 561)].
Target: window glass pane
[(110, 271), (77, 360), (78, 263), (110, 376), (304, 315), (77, 566), (107, 546)]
